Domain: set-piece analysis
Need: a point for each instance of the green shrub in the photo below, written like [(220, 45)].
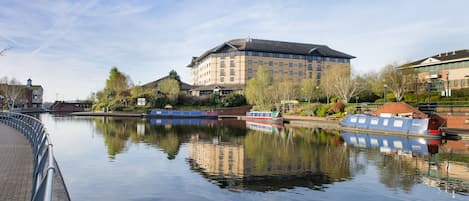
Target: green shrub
[(322, 110), (233, 100)]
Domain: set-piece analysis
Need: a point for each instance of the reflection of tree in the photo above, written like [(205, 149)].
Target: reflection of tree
[(397, 173), (168, 138), (116, 132)]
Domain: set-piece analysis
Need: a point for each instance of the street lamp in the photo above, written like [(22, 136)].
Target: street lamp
[(385, 87), (356, 102), (317, 94)]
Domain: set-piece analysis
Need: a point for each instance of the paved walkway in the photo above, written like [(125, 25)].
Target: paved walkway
[(16, 165)]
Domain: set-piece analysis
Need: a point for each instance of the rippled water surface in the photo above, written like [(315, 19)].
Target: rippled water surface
[(140, 160)]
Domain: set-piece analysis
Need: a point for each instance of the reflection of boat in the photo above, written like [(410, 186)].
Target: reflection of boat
[(390, 125), (270, 117), (264, 127), (387, 143), (181, 114), (190, 121)]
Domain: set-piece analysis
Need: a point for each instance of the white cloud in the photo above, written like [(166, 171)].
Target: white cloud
[(146, 40)]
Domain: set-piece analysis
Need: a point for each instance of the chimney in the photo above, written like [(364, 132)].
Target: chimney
[(454, 52), (446, 53), (439, 54), (29, 83)]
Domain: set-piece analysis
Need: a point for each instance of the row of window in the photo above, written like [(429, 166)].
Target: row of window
[(222, 79), (439, 67), (455, 83), (280, 55)]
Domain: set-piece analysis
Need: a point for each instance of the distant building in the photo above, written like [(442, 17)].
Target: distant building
[(183, 87), (29, 95), (448, 70), (62, 106), (236, 61)]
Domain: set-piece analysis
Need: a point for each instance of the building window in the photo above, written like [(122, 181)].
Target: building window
[(222, 64), (455, 83), (249, 62), (290, 65), (222, 79), (280, 64), (310, 75), (249, 53), (222, 73), (300, 73), (271, 63), (231, 79), (463, 83), (261, 63), (249, 70), (271, 72), (300, 65), (319, 67), (232, 71), (232, 63), (310, 67), (291, 72), (318, 75)]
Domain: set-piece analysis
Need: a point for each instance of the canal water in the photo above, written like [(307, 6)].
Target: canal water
[(173, 159)]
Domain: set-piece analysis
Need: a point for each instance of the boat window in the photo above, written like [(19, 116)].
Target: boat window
[(398, 123), (385, 122), (374, 121), (353, 119), (397, 144), (362, 120)]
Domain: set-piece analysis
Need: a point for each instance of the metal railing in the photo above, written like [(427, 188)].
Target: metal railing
[(44, 166)]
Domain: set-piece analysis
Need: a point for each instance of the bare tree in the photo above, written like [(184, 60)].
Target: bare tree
[(344, 85), (3, 51), (11, 90), (398, 82), (326, 83)]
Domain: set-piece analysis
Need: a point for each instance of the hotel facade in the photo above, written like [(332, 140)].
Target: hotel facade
[(445, 71), (234, 62)]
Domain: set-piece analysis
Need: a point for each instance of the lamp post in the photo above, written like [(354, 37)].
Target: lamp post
[(317, 94), (417, 90), (385, 87), (447, 84), (356, 104)]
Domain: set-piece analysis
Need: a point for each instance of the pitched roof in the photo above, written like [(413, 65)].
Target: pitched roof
[(182, 85), (399, 108), (275, 47), (441, 57)]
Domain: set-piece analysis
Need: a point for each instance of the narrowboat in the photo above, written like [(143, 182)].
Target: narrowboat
[(269, 117), (387, 143), (181, 114), (391, 125), (264, 127)]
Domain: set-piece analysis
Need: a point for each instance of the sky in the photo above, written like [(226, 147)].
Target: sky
[(69, 47)]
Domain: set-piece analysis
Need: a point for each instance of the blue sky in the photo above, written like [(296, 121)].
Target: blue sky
[(69, 46)]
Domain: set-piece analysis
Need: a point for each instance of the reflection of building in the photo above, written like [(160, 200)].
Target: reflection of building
[(217, 158), (236, 61), (242, 166), (445, 68)]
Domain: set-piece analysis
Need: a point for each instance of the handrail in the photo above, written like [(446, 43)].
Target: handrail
[(44, 166)]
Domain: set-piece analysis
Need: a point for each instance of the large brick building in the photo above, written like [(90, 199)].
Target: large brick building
[(448, 70), (234, 62), (25, 96)]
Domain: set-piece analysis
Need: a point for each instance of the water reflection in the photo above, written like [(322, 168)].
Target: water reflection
[(174, 158), (404, 162), (263, 162)]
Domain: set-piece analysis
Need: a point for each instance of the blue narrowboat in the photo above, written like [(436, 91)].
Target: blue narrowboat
[(397, 125)]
